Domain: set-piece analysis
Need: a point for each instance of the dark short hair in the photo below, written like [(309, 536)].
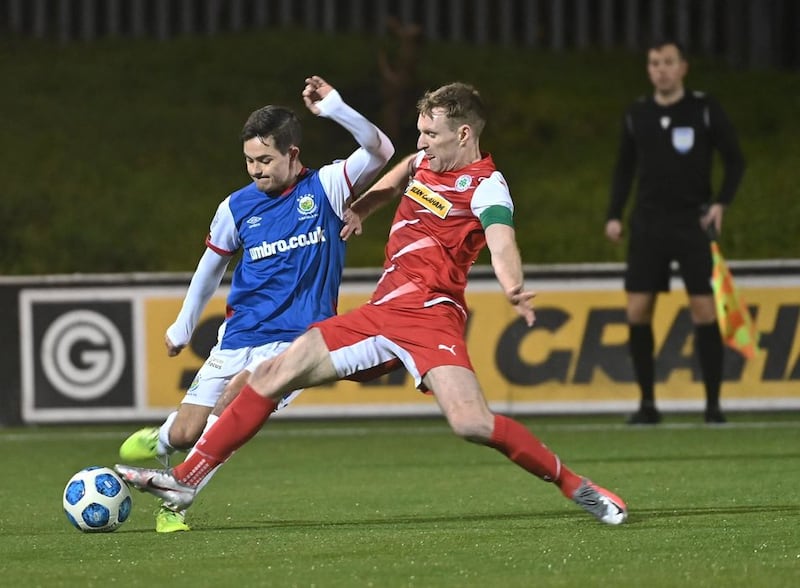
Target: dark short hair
[(462, 104), (277, 122), (657, 44)]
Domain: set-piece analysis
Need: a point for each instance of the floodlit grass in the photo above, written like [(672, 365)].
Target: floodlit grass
[(404, 503)]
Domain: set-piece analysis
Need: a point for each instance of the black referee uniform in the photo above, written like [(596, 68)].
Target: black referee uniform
[(669, 151)]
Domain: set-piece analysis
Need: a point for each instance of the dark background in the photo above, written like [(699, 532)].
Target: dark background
[(121, 118)]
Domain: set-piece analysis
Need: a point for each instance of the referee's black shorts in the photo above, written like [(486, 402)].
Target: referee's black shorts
[(653, 244)]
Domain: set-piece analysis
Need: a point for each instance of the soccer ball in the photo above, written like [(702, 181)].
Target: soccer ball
[(96, 500)]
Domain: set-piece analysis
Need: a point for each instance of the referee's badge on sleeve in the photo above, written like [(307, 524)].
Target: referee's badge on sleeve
[(683, 139)]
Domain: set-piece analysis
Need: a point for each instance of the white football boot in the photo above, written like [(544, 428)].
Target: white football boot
[(159, 483), (605, 506)]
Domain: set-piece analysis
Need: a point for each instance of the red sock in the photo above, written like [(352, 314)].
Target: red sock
[(237, 424), (520, 446)]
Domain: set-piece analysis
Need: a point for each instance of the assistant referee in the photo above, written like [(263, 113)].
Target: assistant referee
[(667, 145)]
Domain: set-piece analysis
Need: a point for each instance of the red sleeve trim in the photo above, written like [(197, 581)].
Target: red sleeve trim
[(216, 249), (347, 179)]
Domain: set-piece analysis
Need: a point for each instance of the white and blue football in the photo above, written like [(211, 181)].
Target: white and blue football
[(96, 500)]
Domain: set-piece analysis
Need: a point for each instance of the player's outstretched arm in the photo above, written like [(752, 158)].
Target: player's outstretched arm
[(205, 281), (389, 187), (507, 265), (375, 151)]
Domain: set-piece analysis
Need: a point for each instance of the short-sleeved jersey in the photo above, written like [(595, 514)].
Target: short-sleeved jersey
[(436, 233), (291, 265)]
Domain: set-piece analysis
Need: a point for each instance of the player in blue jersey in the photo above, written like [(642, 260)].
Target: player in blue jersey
[(289, 225)]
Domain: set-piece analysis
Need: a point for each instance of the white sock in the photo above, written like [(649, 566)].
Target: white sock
[(164, 448), (212, 418)]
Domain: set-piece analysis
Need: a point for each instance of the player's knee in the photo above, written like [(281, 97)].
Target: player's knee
[(269, 378), (471, 428), (264, 373)]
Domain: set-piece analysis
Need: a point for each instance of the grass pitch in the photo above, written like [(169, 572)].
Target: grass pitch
[(404, 503)]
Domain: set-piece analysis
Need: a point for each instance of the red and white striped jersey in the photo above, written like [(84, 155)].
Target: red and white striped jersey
[(436, 233)]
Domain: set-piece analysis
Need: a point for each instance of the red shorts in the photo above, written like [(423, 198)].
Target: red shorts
[(375, 337)]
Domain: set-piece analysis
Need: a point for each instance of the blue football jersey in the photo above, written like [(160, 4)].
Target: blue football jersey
[(291, 261)]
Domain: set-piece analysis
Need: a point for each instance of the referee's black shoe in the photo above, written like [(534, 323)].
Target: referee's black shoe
[(714, 416), (645, 416)]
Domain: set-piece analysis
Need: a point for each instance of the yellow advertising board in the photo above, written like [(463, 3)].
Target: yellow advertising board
[(574, 359)]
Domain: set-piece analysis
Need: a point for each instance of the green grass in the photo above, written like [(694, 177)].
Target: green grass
[(117, 152), (404, 503)]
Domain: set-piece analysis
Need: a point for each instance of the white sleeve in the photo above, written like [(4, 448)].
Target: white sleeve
[(223, 236), (342, 179), (493, 191), (205, 281)]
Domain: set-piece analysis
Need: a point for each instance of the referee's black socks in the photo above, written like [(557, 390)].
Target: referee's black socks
[(708, 346), (641, 345)]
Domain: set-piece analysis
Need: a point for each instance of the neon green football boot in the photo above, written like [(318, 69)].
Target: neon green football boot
[(143, 444), (170, 521)]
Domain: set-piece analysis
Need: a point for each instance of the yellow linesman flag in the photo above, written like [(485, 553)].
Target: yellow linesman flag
[(735, 323)]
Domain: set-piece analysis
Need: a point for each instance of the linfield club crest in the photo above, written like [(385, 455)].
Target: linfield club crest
[(306, 205)]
